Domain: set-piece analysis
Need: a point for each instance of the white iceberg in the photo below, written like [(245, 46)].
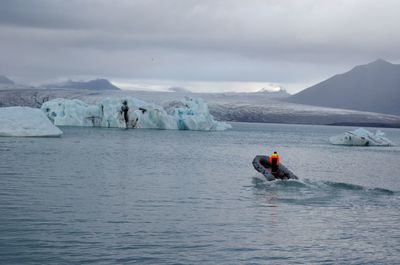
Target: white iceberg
[(193, 114), (361, 137), (188, 114), (26, 122)]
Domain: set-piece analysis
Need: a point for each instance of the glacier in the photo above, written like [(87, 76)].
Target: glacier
[(240, 107), (361, 137), (186, 114), (26, 122)]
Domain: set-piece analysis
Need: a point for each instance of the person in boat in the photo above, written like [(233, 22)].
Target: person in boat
[(274, 161), (124, 111)]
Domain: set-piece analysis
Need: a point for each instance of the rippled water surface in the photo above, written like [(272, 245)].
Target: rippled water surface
[(110, 196)]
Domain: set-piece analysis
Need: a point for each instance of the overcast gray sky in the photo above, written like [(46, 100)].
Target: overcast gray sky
[(200, 44)]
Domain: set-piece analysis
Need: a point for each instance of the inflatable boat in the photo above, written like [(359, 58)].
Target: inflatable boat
[(262, 165)]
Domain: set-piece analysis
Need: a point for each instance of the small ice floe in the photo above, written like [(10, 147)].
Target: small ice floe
[(361, 137), (26, 122)]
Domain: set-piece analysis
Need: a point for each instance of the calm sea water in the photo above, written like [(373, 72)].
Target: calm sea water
[(111, 196)]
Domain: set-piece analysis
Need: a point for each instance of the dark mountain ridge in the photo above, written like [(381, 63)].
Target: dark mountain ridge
[(371, 87), (4, 80), (97, 84)]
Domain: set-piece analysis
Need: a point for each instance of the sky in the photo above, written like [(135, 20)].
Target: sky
[(208, 45)]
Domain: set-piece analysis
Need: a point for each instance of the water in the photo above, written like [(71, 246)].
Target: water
[(111, 196)]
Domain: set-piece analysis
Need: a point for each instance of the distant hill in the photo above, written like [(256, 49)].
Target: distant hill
[(271, 88), (8, 84), (179, 90), (4, 80), (97, 84), (280, 92), (371, 87)]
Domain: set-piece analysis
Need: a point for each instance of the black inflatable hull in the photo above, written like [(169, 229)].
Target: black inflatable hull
[(262, 165)]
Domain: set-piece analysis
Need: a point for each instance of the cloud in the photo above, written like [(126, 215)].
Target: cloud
[(220, 40)]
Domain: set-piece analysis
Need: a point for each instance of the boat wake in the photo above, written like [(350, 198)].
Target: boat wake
[(323, 193)]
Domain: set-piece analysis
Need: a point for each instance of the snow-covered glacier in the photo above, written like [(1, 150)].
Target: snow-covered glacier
[(26, 122), (186, 114), (361, 137)]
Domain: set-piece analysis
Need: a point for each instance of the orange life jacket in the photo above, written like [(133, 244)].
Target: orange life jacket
[(276, 156)]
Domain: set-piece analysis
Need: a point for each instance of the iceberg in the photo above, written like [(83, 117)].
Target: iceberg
[(193, 114), (361, 137), (26, 122), (187, 114)]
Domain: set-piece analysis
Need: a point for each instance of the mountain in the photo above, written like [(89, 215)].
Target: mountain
[(8, 84), (280, 92), (97, 84), (371, 87), (4, 80), (272, 88), (179, 90)]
